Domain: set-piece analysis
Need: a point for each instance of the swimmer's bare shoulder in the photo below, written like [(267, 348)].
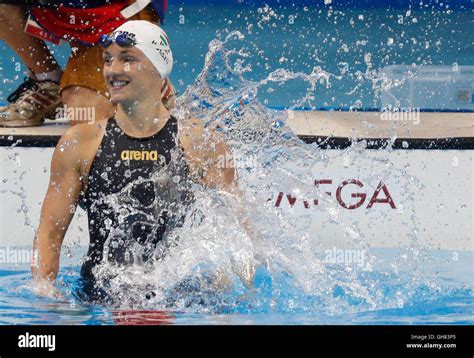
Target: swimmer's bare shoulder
[(190, 129), (204, 148), (78, 144)]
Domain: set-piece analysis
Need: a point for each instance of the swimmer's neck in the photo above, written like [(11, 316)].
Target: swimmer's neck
[(142, 119)]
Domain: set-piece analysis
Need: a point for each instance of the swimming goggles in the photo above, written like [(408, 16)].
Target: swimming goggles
[(121, 38)]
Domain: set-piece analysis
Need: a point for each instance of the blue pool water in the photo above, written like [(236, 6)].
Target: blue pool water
[(445, 298)]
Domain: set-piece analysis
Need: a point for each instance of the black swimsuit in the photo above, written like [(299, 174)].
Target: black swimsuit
[(134, 190)]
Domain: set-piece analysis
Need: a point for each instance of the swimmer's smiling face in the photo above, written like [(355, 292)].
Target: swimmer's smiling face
[(129, 74)]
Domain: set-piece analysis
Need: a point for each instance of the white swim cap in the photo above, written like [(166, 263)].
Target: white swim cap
[(152, 41)]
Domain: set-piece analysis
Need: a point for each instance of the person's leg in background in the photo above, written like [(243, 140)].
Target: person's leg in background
[(32, 51), (39, 95), (83, 89)]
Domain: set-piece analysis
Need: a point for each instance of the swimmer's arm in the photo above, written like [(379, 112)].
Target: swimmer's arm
[(56, 213), (226, 183), (207, 162)]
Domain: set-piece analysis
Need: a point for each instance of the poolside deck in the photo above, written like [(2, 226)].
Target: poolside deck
[(423, 130), (429, 125)]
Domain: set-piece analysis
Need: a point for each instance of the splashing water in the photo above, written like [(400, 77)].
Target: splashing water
[(292, 275)]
